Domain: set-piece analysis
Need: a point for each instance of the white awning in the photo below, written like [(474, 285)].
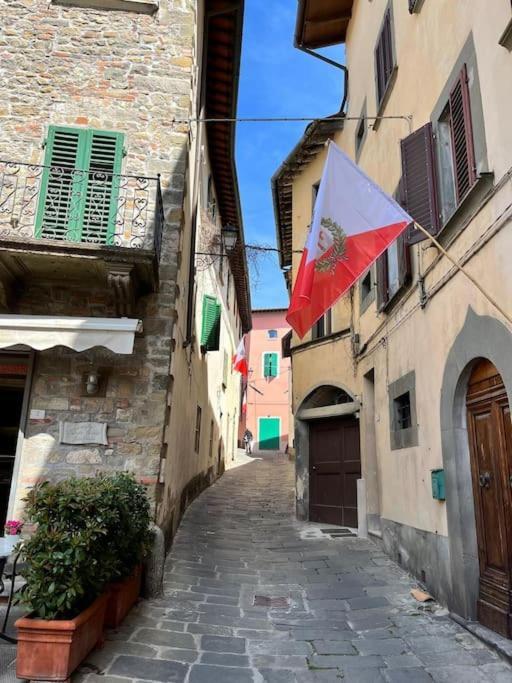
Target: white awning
[(44, 332)]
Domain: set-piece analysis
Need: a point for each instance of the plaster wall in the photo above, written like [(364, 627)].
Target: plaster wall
[(274, 399), (407, 337)]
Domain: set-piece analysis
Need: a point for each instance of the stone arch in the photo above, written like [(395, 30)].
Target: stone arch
[(480, 337), (320, 385)]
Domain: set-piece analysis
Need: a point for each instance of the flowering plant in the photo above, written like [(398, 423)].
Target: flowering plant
[(13, 527)]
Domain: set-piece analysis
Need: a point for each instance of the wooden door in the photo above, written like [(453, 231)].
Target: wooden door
[(490, 440), (334, 468)]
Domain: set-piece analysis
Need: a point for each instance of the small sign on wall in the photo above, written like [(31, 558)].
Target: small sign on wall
[(82, 433)]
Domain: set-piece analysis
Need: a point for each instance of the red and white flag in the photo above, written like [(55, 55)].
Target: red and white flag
[(354, 222), (240, 359)]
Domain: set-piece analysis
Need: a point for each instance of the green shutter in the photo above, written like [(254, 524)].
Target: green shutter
[(270, 361), (210, 331), (80, 185)]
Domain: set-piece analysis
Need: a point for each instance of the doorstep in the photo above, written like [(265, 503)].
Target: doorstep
[(500, 644)]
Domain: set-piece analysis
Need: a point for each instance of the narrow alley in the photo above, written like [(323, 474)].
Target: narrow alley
[(251, 595)]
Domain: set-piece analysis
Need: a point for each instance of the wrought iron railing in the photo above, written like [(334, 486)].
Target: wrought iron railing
[(81, 206)]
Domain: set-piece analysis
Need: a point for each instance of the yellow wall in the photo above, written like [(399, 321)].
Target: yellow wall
[(409, 337)]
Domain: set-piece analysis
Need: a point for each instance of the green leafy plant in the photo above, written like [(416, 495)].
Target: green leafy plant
[(89, 532)]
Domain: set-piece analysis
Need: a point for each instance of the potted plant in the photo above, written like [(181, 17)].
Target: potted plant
[(66, 571), (131, 543)]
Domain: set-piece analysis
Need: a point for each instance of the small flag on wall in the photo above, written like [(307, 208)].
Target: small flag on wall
[(240, 359), (354, 222)]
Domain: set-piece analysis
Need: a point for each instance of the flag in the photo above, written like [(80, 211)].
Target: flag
[(240, 359), (354, 222)]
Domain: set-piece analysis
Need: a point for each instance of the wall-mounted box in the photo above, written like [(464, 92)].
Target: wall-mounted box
[(438, 487)]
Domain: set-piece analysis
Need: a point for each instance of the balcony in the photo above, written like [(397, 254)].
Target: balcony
[(74, 224)]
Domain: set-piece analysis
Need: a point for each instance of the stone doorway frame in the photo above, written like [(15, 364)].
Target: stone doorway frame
[(301, 422), (480, 337)]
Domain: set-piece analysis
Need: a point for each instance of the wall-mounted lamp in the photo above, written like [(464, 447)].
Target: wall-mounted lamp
[(229, 237), (93, 382)]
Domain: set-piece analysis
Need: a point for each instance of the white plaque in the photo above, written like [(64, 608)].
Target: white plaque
[(81, 433), (37, 414)]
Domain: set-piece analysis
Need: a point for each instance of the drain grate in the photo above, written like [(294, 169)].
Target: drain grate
[(338, 532), (267, 601)]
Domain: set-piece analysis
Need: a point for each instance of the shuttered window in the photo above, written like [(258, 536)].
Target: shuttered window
[(80, 185), (462, 136), (418, 185), (270, 365), (393, 271), (210, 330), (384, 57)]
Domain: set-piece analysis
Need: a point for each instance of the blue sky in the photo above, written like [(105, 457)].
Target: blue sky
[(275, 80)]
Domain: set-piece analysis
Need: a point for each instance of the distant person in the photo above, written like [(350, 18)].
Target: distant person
[(248, 441)]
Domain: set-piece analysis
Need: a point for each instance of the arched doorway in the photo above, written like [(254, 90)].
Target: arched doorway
[(328, 456), (490, 446)]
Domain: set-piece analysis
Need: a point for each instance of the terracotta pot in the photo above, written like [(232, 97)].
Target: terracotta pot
[(50, 650), (123, 595)]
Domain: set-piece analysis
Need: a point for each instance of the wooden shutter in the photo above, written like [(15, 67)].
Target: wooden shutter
[(210, 329), (404, 272), (404, 260), (382, 281), (80, 185), (267, 363), (100, 205), (62, 184), (384, 61), (273, 364), (462, 136), (419, 182)]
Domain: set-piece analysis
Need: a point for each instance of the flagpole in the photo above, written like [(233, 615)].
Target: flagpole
[(450, 258)]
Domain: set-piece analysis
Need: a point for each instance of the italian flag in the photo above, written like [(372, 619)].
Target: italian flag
[(240, 359), (354, 222)]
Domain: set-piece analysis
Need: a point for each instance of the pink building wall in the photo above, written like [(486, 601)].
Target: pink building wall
[(268, 397)]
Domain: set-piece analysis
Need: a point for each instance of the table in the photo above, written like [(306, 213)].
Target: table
[(6, 550)]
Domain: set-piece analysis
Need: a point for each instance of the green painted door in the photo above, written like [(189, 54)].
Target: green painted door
[(269, 434)]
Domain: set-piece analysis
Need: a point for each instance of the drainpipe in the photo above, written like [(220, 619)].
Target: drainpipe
[(337, 65)]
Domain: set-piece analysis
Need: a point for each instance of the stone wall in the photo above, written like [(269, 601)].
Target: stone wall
[(126, 72)]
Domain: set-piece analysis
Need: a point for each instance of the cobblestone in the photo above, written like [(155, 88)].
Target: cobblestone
[(327, 609)]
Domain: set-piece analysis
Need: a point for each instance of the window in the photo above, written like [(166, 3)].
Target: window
[(384, 58), (393, 271), (211, 202), (272, 334), (361, 131), (80, 185), (270, 365), (439, 171), (212, 431), (402, 412), (197, 436), (366, 290), (402, 406), (225, 368), (210, 330), (323, 326)]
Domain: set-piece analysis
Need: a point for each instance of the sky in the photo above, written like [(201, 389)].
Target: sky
[(275, 80)]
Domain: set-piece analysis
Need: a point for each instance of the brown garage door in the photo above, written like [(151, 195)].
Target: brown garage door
[(334, 468)]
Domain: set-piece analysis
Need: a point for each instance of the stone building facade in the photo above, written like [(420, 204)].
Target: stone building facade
[(413, 365), (97, 240)]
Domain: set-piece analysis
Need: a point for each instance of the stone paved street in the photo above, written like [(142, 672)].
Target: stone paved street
[(251, 595)]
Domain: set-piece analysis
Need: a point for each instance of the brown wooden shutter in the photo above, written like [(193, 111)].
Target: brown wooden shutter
[(419, 182), (384, 62), (462, 136), (382, 281), (404, 260)]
